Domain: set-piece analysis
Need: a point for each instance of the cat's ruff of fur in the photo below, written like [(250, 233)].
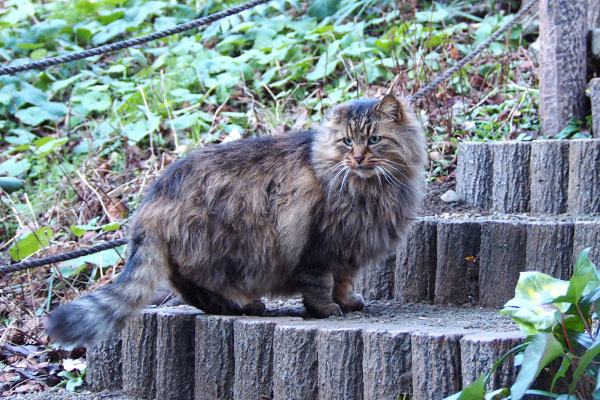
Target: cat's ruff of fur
[(296, 213)]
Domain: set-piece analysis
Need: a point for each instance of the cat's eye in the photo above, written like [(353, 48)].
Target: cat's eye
[(374, 139), (348, 142)]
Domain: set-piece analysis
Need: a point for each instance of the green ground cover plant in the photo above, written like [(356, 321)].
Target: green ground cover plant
[(80, 142)]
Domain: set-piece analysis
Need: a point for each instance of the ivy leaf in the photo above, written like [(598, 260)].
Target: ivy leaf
[(10, 184), (543, 349), (14, 168), (31, 243), (323, 8), (96, 101)]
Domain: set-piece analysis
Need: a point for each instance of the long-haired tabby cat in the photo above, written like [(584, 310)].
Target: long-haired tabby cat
[(297, 213)]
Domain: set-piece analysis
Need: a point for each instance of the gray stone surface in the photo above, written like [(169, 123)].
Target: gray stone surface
[(457, 271), (295, 367), (103, 370), (474, 174), (340, 353), (584, 176), (563, 34), (549, 176), (480, 351), (550, 248), (587, 234), (376, 282), (436, 368), (501, 258), (387, 363), (416, 264), (214, 358), (595, 93), (511, 174), (175, 353), (139, 355)]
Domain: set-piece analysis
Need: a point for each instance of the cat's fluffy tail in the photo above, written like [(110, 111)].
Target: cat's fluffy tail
[(96, 316)]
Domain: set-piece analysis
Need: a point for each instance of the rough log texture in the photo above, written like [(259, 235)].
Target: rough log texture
[(386, 363), (214, 358), (480, 351), (563, 34), (474, 174), (501, 258), (104, 365), (595, 97), (549, 176), (253, 352), (550, 248), (376, 282), (436, 369), (139, 355), (295, 368), (584, 177), (340, 353), (510, 187), (587, 234), (593, 14), (457, 273), (416, 264), (175, 353)]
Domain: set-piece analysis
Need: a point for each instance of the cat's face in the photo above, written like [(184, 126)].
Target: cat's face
[(370, 139)]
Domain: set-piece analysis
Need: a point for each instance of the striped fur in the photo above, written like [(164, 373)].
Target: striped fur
[(297, 213)]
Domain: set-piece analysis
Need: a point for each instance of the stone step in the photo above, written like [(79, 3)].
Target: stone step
[(389, 350), (471, 259), (541, 177)]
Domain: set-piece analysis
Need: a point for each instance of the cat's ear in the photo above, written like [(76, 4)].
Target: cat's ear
[(336, 114), (389, 107)]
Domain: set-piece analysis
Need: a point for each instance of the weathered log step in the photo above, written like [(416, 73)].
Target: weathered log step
[(389, 350), (477, 260), (541, 177)]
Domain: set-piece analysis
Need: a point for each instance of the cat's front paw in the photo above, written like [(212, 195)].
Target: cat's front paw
[(257, 308), (324, 311), (355, 302)]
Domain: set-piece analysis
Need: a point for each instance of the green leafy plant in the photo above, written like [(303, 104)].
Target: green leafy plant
[(561, 321)]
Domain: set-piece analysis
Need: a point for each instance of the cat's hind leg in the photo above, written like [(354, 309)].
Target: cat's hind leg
[(230, 302), (343, 293), (316, 288)]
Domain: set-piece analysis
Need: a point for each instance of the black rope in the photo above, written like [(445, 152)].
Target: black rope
[(109, 48), (7, 269)]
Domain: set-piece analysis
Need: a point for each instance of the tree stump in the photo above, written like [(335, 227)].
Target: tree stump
[(510, 188), (386, 363), (584, 176), (549, 176), (501, 258), (416, 264), (104, 365), (563, 34), (595, 98), (550, 248), (376, 281), (587, 234), (457, 273), (474, 174)]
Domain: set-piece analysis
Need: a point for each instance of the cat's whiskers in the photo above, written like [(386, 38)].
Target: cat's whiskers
[(394, 162), (392, 180), (344, 180), (332, 169), (394, 168)]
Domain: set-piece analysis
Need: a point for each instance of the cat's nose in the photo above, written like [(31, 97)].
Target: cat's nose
[(359, 158)]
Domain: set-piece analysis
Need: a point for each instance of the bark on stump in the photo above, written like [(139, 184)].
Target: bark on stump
[(104, 365), (562, 74), (501, 258), (549, 176), (595, 97), (510, 188), (416, 264), (480, 351), (215, 369), (295, 367), (584, 176), (376, 281), (436, 370), (139, 355), (457, 273), (587, 234), (550, 248), (474, 174), (175, 353), (340, 353), (386, 363)]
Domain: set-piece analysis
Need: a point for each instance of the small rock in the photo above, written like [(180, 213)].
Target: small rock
[(450, 197)]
